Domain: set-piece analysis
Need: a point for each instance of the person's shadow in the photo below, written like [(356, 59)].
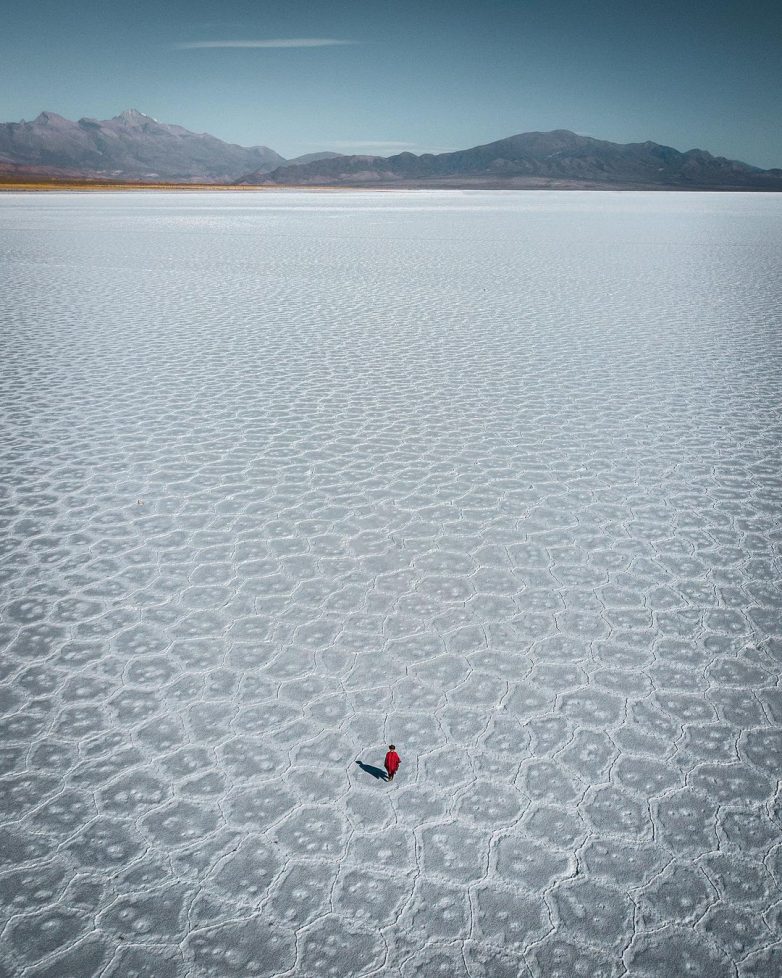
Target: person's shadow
[(376, 772)]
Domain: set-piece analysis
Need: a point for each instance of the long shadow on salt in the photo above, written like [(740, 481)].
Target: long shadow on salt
[(376, 772)]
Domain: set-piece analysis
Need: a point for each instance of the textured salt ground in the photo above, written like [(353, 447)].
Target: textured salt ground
[(493, 476)]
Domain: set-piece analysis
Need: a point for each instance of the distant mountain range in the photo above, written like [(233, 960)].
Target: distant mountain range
[(135, 147), (131, 146), (558, 159)]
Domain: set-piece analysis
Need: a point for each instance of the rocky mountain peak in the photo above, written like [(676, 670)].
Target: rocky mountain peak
[(132, 117), (50, 119), (130, 146)]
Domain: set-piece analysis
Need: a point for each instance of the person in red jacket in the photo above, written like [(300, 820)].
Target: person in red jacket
[(392, 762)]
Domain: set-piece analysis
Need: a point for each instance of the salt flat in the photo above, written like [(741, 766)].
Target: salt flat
[(492, 476)]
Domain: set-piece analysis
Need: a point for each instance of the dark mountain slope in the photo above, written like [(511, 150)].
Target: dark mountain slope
[(312, 158), (558, 158)]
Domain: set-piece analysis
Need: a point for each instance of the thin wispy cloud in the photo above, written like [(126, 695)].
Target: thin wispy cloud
[(374, 143), (280, 42)]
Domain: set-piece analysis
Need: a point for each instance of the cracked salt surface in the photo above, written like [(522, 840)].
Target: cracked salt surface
[(491, 476)]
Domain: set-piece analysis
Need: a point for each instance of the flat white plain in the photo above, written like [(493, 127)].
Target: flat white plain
[(289, 476)]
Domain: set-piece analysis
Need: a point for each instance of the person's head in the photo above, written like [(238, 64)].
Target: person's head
[(391, 747)]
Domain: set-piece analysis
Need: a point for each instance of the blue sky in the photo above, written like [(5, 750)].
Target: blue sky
[(423, 76)]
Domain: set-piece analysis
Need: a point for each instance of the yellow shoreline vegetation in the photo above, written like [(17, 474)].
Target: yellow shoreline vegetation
[(35, 186)]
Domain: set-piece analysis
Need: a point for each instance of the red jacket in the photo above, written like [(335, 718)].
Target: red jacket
[(392, 762)]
